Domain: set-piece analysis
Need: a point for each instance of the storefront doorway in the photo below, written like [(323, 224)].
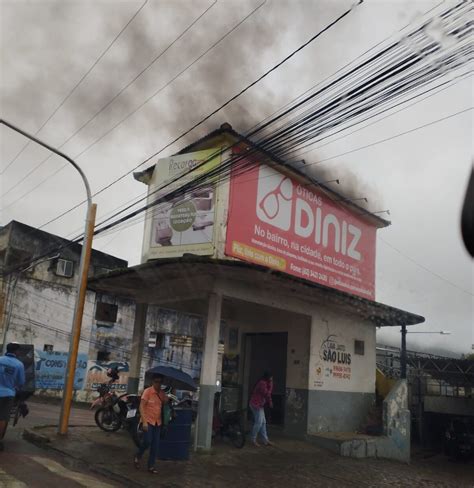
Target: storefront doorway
[(267, 352)]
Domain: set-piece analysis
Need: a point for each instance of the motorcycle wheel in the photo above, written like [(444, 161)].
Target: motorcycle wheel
[(237, 436), (107, 420)]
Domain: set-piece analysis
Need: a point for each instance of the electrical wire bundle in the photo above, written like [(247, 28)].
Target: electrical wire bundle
[(438, 49), (377, 84)]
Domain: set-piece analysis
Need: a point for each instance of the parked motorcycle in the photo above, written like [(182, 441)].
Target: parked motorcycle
[(119, 412), (228, 424), (114, 411)]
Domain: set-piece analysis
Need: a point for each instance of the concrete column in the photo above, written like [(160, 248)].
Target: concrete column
[(138, 342), (208, 386)]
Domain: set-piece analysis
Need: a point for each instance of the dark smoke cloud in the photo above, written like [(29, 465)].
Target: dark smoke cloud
[(223, 72)]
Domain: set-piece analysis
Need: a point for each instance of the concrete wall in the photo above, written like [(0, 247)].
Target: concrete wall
[(42, 314), (341, 382), (337, 411), (394, 444), (396, 417), (448, 405)]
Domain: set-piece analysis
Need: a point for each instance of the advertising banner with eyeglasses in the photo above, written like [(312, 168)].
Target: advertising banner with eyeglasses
[(184, 224), (275, 221)]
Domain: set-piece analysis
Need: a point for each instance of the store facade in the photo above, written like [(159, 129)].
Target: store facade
[(282, 270)]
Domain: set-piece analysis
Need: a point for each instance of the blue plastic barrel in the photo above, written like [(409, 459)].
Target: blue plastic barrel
[(175, 444)]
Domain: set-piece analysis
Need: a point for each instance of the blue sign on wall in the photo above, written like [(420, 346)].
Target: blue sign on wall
[(51, 370)]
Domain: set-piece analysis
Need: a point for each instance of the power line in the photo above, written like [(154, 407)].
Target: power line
[(392, 137), (115, 181), (166, 197), (264, 145), (187, 187), (143, 195), (312, 39), (424, 267), (124, 353), (84, 76), (156, 202), (141, 105), (449, 84), (104, 107)]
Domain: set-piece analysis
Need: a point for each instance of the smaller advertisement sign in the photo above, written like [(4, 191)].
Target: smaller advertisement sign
[(334, 361), (184, 224), (51, 370)]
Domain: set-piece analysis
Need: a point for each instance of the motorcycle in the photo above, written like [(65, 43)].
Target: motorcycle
[(114, 411), (228, 424)]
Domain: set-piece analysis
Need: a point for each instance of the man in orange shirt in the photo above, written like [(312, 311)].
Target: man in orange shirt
[(150, 411)]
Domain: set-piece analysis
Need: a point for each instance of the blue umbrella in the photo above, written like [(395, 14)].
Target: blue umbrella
[(177, 378)]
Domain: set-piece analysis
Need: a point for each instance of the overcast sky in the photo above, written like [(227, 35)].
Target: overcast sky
[(48, 46)]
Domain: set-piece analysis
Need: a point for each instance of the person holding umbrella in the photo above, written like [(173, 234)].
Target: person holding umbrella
[(151, 404)]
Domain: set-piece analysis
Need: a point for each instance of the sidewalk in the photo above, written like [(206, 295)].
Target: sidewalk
[(290, 463)]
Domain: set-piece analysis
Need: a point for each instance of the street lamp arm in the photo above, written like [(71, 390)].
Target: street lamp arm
[(441, 332), (81, 284), (55, 151)]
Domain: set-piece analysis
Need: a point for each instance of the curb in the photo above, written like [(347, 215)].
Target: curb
[(44, 442), (35, 437)]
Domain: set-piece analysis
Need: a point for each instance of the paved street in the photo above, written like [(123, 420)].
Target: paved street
[(23, 465), (88, 451), (290, 463)]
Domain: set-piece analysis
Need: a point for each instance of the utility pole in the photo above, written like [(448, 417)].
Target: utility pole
[(81, 285), (77, 320), (403, 355)]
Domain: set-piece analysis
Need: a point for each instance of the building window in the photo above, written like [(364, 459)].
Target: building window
[(359, 347), (48, 348), (103, 356), (156, 340), (106, 312), (65, 268)]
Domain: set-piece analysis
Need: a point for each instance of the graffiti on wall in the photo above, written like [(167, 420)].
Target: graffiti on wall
[(51, 370), (97, 374)]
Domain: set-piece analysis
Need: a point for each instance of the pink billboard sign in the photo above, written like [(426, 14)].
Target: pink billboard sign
[(277, 222)]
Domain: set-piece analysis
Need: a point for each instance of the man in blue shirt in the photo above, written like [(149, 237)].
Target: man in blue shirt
[(12, 378)]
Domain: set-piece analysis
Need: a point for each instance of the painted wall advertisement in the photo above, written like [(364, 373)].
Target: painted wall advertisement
[(334, 362), (51, 370), (276, 222), (97, 374), (184, 224)]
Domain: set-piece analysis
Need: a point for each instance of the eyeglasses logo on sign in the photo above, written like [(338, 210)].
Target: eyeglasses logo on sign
[(274, 198)]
